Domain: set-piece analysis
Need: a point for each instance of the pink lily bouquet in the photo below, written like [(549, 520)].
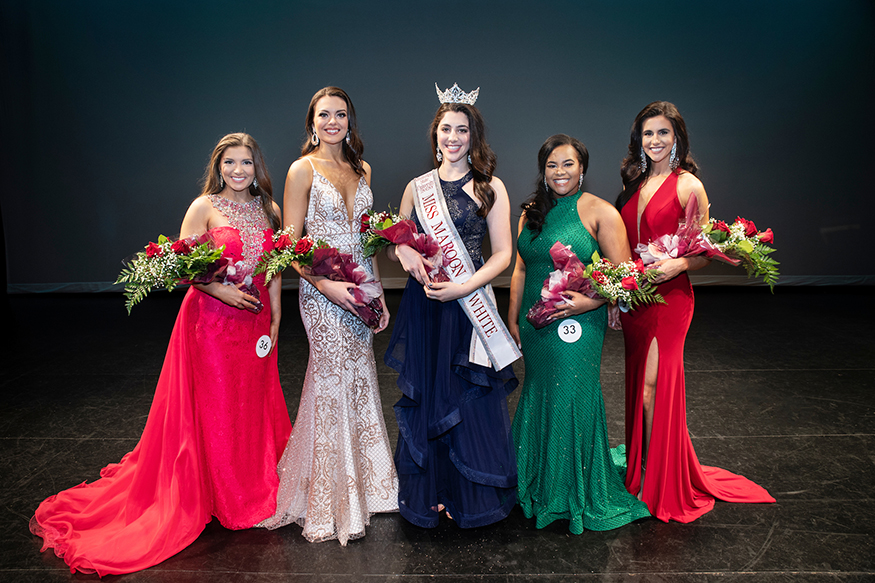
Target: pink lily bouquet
[(381, 229), (169, 263), (327, 261), (628, 283), (738, 243)]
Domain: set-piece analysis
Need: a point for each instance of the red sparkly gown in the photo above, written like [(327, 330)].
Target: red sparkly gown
[(676, 486), (215, 432)]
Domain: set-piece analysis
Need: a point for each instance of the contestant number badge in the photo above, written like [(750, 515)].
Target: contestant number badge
[(569, 330), (262, 346)]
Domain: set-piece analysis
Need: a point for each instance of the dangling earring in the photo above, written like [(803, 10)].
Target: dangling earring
[(673, 160), (643, 164), (547, 188), (439, 156), (315, 139), (221, 181), (347, 137), (580, 182), (469, 158), (255, 182)]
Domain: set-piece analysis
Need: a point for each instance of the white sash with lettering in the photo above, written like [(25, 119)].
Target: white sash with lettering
[(491, 342)]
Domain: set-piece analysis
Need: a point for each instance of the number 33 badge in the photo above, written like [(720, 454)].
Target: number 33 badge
[(262, 346), (569, 330)]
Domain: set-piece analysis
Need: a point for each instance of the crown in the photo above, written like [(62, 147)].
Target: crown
[(456, 95)]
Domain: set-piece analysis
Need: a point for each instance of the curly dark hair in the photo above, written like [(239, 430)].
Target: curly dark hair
[(483, 159)]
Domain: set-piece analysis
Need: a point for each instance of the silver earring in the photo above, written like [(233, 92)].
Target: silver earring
[(547, 188), (255, 182), (439, 156), (347, 137), (221, 181), (315, 139), (642, 165), (469, 158), (580, 182), (673, 160)]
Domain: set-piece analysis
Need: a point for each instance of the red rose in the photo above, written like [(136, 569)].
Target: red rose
[(303, 246), (749, 228), (181, 247), (283, 242), (154, 250), (599, 277), (721, 226), (629, 283), (639, 265), (366, 223), (767, 236)]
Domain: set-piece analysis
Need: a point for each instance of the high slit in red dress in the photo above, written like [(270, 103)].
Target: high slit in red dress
[(677, 487)]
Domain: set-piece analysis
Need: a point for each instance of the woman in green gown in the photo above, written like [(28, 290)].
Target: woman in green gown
[(563, 456)]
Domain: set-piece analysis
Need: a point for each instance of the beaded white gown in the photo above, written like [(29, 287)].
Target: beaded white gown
[(337, 468)]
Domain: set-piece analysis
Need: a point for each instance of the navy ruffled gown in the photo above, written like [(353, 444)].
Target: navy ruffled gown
[(454, 445)]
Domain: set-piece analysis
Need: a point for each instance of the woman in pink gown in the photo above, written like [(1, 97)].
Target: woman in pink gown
[(659, 180), (218, 421)]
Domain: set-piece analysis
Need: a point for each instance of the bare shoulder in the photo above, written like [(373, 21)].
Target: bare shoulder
[(197, 217), (689, 181), (200, 205), (299, 177), (597, 206), (523, 221), (498, 186), (496, 182), (300, 167), (689, 184)]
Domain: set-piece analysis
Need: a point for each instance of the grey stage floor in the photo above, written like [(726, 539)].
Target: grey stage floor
[(780, 388)]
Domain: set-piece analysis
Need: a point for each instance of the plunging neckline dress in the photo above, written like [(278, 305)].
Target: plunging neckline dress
[(337, 469), (676, 487)]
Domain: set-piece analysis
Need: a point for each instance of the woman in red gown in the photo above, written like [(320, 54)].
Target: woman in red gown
[(218, 422), (658, 181)]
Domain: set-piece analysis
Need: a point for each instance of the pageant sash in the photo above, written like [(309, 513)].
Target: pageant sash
[(491, 335)]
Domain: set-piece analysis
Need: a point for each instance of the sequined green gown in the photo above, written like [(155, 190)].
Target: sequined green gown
[(563, 457)]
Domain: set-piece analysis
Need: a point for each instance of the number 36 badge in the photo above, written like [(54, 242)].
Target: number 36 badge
[(262, 346)]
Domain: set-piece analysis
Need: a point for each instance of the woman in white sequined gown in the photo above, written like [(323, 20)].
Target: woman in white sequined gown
[(337, 468)]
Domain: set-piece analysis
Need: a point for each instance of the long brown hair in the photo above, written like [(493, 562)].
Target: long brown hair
[(352, 150), (630, 171), (483, 159), (213, 175), (544, 199)]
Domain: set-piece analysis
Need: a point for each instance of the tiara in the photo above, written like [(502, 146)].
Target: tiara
[(456, 95)]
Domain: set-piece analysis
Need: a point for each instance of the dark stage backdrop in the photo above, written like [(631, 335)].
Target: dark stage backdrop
[(111, 109)]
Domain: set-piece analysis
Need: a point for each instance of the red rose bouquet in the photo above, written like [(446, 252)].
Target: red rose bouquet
[(738, 243), (168, 263), (281, 256), (627, 283), (379, 230), (329, 262)]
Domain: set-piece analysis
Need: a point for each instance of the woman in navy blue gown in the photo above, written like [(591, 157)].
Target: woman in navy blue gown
[(455, 451)]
